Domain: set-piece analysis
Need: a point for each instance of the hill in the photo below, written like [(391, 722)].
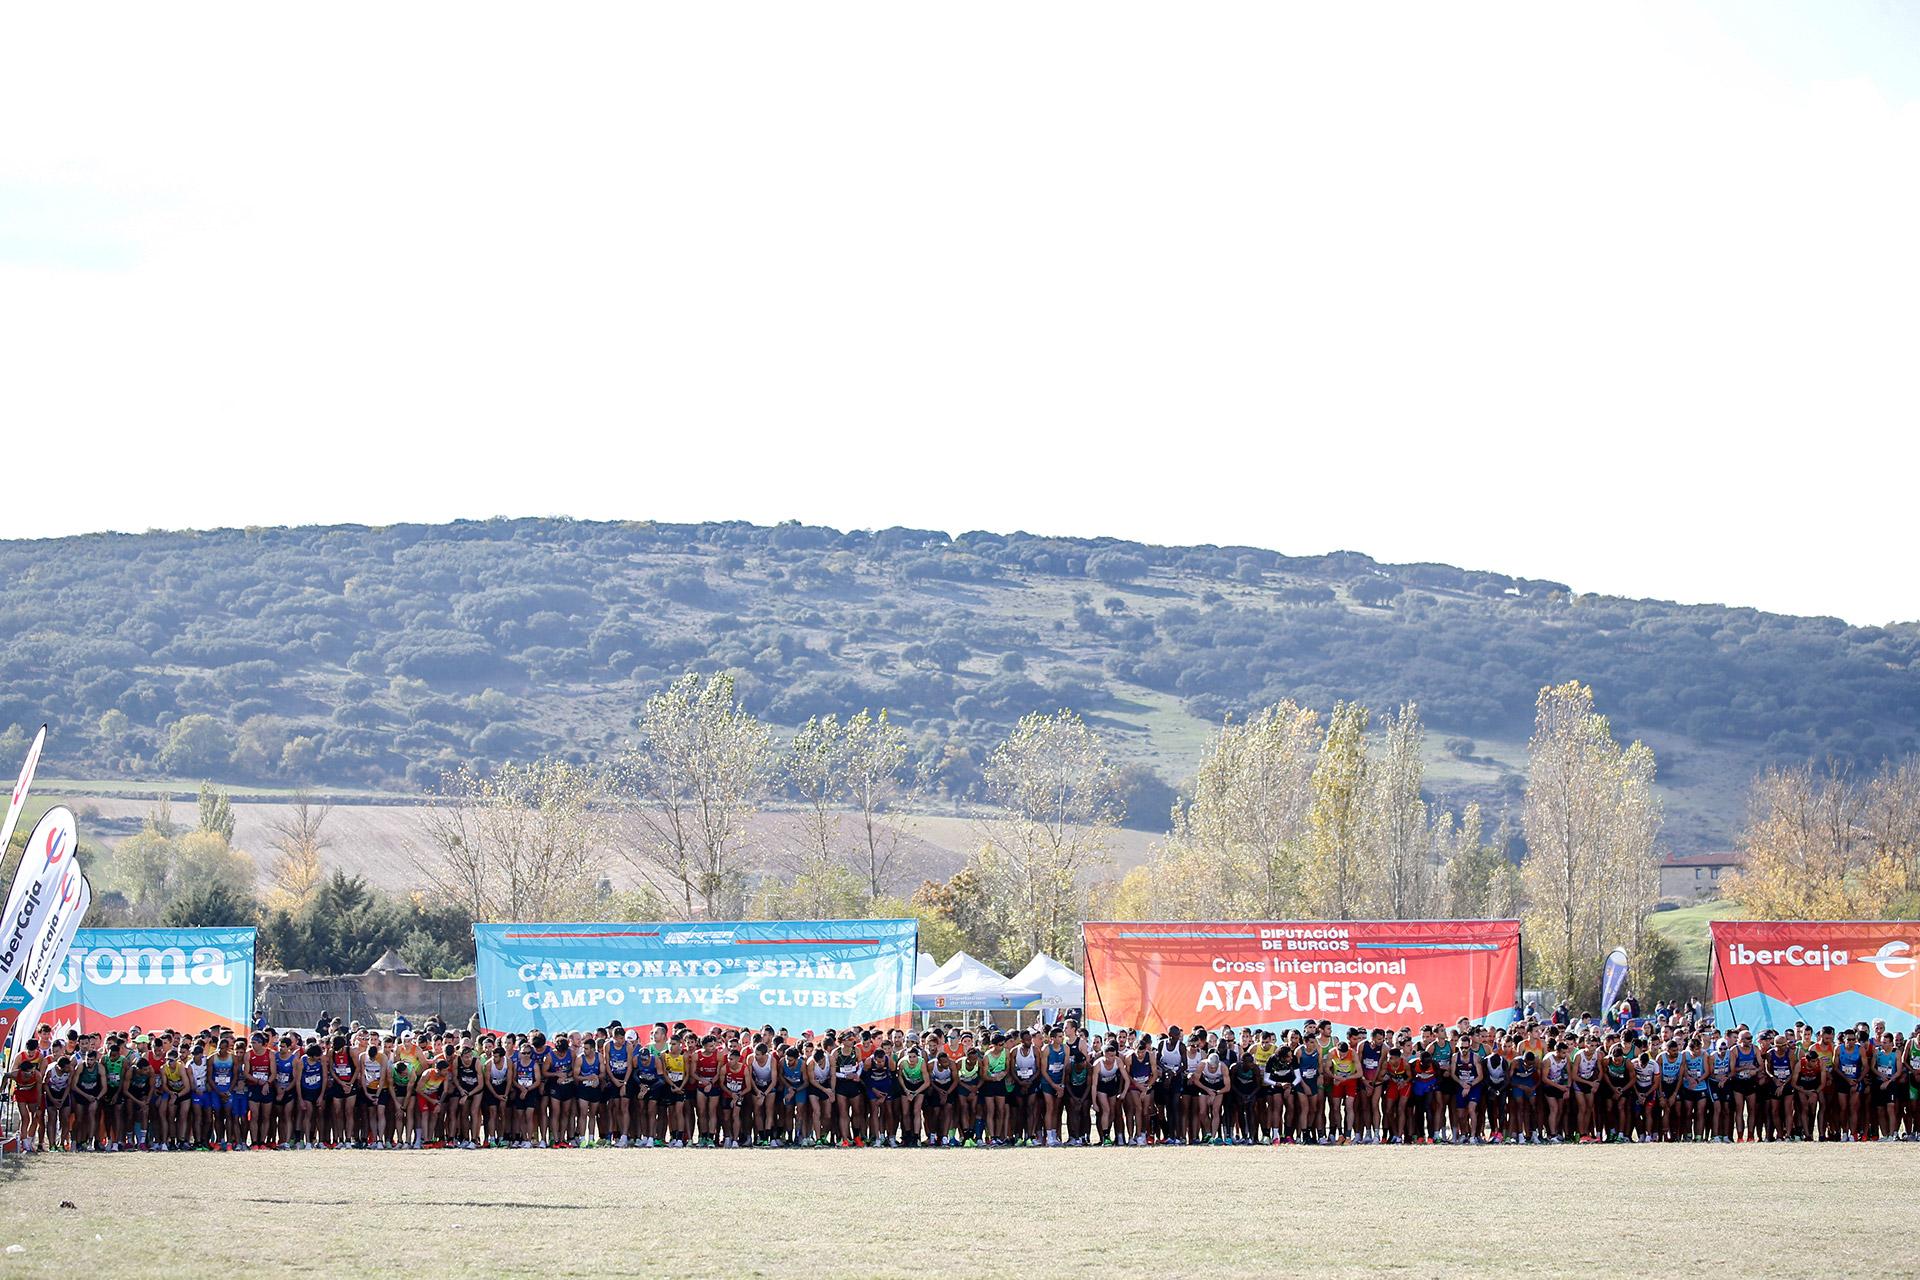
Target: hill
[(358, 658)]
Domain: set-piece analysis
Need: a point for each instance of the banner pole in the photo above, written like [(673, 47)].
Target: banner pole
[(1713, 960), (1086, 966)]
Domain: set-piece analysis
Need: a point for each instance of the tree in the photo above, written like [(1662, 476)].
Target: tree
[(346, 925), (216, 812), (815, 771), (299, 839), (822, 891), (874, 751), (1373, 590), (261, 745), (1398, 879), (1591, 821), (1821, 847), (196, 744), (965, 900), (698, 772), (526, 843), (1336, 821), (1236, 847), (940, 934), (299, 757), (1059, 793), (1114, 567), (211, 906), (157, 866), (1478, 880)]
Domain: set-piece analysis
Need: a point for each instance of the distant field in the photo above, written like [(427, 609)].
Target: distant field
[(1599, 1211), (181, 790), (373, 839), (1686, 928)]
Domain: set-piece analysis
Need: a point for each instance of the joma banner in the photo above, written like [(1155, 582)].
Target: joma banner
[(1772, 973), (186, 979), (1273, 975), (799, 974)]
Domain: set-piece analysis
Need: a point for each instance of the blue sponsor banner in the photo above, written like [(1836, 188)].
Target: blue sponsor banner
[(798, 974), (185, 979), (1613, 976)]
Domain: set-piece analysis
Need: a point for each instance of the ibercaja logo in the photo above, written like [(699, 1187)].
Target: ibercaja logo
[(1894, 960)]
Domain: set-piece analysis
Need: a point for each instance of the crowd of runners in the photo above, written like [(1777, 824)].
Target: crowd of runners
[(667, 1086)]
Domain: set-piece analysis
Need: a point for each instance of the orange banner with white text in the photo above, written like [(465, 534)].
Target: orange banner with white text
[(1273, 975)]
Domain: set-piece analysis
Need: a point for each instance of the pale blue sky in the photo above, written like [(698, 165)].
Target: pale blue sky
[(1622, 295)]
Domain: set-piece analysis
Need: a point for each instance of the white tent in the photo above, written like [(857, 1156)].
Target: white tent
[(966, 983), (925, 969), (1059, 986)]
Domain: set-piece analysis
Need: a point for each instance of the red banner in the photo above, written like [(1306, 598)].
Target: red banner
[(1773, 973), (1149, 976)]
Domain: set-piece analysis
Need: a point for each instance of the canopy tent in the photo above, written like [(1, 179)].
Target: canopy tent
[(1059, 986), (925, 968), (966, 983)]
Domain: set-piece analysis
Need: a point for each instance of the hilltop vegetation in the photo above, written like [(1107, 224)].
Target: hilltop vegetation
[(354, 657)]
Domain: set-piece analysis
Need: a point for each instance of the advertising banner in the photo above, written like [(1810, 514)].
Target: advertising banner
[(1275, 975), (48, 880), (154, 979), (798, 974), (1772, 973), (1613, 976), (27, 998), (18, 800)]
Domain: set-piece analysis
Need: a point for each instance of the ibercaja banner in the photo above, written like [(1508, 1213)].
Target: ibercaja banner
[(804, 975), (1277, 974), (1772, 973), (154, 979)]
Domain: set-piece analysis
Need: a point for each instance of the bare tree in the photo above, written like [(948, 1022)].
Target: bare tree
[(1059, 794), (299, 840), (688, 786), (526, 843), (874, 751), (816, 771), (1821, 846)]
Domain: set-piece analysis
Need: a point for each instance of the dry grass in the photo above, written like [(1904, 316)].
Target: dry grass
[(1614, 1211), (372, 840)]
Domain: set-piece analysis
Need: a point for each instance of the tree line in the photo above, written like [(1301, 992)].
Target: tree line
[(1291, 816)]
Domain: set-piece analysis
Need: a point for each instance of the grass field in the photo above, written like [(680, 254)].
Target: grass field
[(1686, 929), (1615, 1211)]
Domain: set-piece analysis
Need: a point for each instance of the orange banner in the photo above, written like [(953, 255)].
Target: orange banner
[(1272, 975), (1773, 973)]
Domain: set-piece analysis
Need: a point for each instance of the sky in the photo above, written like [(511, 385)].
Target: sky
[(1625, 296)]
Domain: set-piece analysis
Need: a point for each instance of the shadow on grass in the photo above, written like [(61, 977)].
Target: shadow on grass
[(435, 1204)]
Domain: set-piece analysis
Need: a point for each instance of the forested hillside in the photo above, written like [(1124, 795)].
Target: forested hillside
[(353, 657)]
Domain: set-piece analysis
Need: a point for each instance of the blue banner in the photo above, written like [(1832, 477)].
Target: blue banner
[(800, 975), (1613, 976), (154, 979)]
